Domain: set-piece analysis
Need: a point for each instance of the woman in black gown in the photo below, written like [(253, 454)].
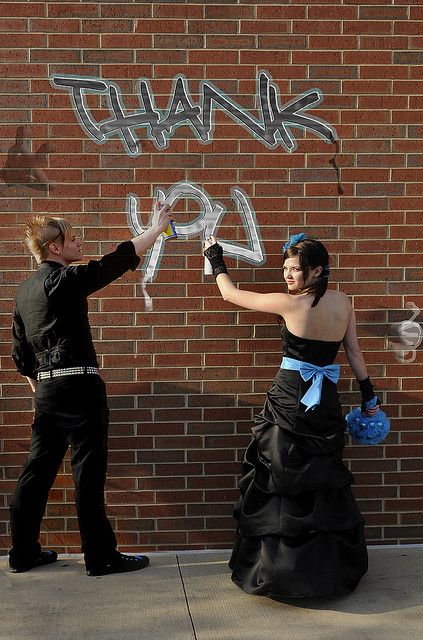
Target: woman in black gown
[(299, 529)]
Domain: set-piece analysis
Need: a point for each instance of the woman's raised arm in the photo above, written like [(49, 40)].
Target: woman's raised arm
[(266, 302)]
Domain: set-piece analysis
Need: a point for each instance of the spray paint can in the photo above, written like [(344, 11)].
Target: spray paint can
[(170, 231)]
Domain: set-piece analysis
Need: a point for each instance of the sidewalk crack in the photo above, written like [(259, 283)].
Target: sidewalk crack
[(186, 599)]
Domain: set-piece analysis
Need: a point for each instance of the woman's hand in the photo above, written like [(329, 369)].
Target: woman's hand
[(209, 242), (372, 411), (214, 252), (370, 407)]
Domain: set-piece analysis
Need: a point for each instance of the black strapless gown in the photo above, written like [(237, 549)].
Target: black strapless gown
[(300, 532)]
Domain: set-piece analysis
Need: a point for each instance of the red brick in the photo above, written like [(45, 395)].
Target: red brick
[(265, 26), (287, 12), (383, 13), (177, 10), (15, 55), (408, 57), (330, 27), (317, 57), (332, 71), (160, 384), (25, 40), (212, 26), (103, 26), (227, 12), (408, 27), (385, 71), (364, 27), (367, 58), (383, 102), (49, 25), (13, 25), (56, 55), (14, 86), (23, 70), (181, 42), (282, 42), (126, 41), (380, 43), (363, 87), (408, 116), (72, 10), (15, 9), (71, 41), (336, 42)]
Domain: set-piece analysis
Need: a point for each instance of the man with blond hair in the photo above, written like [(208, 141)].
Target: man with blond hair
[(53, 349)]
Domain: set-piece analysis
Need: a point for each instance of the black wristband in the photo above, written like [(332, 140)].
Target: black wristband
[(214, 254), (366, 388)]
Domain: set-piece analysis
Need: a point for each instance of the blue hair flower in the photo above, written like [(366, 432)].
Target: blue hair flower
[(294, 239), (367, 429)]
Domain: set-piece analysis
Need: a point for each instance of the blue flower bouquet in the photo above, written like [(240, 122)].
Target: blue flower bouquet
[(367, 429)]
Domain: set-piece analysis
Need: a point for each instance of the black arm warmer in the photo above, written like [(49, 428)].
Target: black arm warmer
[(366, 388), (214, 253)]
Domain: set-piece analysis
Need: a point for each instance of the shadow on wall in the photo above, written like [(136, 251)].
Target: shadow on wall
[(23, 168)]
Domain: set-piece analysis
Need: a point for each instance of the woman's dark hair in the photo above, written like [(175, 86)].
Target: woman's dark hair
[(311, 254)]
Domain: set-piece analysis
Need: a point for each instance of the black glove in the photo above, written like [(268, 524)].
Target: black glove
[(214, 253), (367, 393)]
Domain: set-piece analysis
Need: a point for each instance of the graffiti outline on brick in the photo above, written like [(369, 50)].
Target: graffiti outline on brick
[(410, 335), (273, 130), (205, 224)]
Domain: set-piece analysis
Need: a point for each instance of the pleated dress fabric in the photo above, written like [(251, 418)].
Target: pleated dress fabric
[(299, 529)]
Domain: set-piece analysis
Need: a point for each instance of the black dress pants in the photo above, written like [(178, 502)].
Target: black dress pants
[(69, 411)]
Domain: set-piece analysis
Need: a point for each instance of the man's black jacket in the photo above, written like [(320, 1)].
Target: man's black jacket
[(50, 320)]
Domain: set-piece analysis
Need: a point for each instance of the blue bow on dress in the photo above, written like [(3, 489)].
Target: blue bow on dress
[(308, 370)]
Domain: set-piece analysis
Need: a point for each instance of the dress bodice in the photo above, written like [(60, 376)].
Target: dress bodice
[(320, 352)]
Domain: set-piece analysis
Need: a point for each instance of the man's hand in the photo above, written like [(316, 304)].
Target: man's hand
[(32, 383), (164, 216)]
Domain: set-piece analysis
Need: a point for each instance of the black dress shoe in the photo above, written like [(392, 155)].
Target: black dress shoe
[(121, 563), (19, 566)]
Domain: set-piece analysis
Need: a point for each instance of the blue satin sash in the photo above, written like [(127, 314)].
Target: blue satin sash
[(308, 370)]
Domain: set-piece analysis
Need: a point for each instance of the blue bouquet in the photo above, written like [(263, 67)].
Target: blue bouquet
[(367, 429)]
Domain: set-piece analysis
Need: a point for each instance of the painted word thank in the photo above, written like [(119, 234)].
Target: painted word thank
[(272, 129)]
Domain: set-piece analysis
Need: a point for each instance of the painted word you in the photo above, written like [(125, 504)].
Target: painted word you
[(272, 129), (205, 224)]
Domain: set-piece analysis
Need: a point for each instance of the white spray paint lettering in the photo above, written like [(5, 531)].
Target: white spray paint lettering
[(273, 129), (410, 335), (205, 224)]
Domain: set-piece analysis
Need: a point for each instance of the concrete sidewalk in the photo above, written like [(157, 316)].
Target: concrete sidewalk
[(185, 596)]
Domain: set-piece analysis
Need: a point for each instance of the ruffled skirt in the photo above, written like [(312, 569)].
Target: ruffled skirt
[(299, 530)]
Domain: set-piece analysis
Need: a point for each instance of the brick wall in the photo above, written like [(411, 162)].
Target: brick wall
[(185, 380)]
